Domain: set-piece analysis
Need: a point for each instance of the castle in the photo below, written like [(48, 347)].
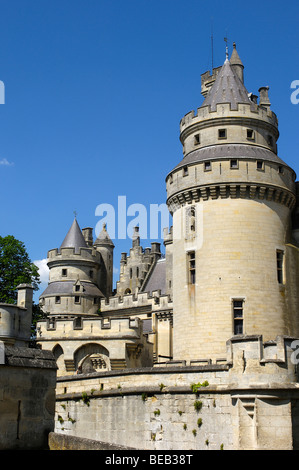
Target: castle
[(220, 308)]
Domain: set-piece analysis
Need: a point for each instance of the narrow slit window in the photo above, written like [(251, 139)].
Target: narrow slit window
[(279, 261), (238, 316), (191, 267)]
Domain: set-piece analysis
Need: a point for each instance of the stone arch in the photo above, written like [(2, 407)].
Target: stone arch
[(59, 356), (91, 357)]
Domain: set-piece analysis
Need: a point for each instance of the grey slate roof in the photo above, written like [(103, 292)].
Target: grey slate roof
[(227, 88), (224, 151), (157, 279), (66, 288), (74, 238)]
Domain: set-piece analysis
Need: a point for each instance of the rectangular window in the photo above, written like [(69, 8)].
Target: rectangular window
[(196, 139), (64, 272), (238, 316), (57, 299), (279, 261), (185, 171), (221, 133), (77, 299), (191, 267), (234, 164), (250, 134), (208, 166), (77, 287), (51, 324), (259, 165), (78, 323)]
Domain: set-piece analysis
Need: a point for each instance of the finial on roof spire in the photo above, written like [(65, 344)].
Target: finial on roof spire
[(226, 48), (75, 214)]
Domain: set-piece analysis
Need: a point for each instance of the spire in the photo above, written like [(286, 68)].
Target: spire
[(103, 238), (74, 238), (236, 63), (227, 88)]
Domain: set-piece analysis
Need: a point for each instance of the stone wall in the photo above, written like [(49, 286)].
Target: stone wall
[(27, 398), (248, 402)]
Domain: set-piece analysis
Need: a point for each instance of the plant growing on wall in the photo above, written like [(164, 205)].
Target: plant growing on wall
[(85, 398), (197, 405)]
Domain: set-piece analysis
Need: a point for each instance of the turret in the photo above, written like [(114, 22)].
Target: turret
[(73, 276), (15, 324), (105, 247), (231, 198)]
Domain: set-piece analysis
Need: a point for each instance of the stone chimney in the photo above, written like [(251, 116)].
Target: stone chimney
[(264, 98)]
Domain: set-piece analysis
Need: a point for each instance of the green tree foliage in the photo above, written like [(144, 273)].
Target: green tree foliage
[(15, 268)]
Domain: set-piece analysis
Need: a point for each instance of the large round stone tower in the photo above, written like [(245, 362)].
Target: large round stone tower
[(235, 257)]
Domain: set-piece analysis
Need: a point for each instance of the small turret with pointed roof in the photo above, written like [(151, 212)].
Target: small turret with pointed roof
[(236, 63), (103, 238), (105, 247), (227, 88)]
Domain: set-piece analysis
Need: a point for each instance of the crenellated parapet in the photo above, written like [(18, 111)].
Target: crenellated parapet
[(86, 254), (156, 301), (251, 111), (252, 361)]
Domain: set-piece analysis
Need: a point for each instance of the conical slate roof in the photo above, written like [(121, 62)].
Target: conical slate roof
[(235, 58), (103, 238), (74, 238), (227, 88)]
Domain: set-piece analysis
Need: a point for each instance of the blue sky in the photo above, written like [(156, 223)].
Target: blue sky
[(95, 90)]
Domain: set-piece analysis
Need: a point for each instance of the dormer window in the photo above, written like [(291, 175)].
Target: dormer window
[(77, 287), (221, 133)]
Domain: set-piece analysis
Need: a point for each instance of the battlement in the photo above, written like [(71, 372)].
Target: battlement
[(156, 301), (223, 110), (252, 360), (62, 254), (65, 327)]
